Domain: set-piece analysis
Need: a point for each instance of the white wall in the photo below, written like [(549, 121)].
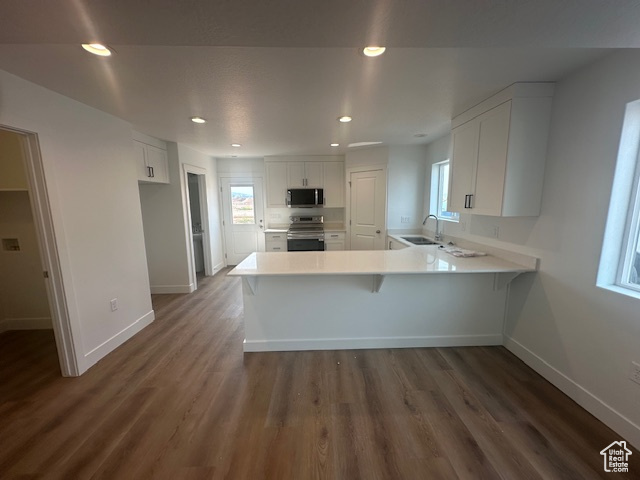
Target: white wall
[(405, 195), (366, 157), (91, 180), (22, 289), (577, 335)]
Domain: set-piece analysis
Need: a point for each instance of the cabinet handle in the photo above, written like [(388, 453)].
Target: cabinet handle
[(389, 245), (334, 236), (275, 236), (152, 172), (276, 248), (149, 172)]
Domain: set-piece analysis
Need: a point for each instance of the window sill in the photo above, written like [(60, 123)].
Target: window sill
[(621, 290)]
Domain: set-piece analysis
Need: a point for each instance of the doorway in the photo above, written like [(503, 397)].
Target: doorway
[(34, 297), (243, 207), (197, 223), (367, 209)]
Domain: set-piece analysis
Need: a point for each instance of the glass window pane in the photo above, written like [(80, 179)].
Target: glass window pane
[(242, 205), (634, 267)]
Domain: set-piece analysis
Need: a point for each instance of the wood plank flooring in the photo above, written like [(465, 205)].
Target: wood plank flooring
[(181, 401)]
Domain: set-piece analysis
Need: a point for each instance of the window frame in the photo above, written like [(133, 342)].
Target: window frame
[(631, 238), (437, 192)]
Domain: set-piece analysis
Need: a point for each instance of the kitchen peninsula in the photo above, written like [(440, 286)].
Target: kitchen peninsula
[(415, 297)]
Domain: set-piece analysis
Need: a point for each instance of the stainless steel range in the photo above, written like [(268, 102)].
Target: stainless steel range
[(306, 233)]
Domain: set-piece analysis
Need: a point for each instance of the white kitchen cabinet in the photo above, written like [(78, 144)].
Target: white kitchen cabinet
[(393, 244), (152, 162), (276, 173), (305, 174), (276, 242), (499, 153), (334, 180), (334, 241), (289, 172)]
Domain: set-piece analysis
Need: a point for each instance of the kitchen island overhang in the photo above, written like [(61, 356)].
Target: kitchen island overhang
[(416, 297)]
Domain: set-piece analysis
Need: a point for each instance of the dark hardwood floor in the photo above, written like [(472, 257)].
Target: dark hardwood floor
[(181, 401)]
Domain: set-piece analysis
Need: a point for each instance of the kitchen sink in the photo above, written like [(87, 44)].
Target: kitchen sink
[(419, 240)]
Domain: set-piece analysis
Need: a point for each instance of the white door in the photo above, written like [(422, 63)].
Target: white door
[(367, 209), (243, 217)]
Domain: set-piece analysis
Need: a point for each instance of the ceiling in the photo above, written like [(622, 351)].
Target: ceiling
[(274, 76)]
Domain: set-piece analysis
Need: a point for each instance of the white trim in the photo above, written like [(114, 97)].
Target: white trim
[(40, 323), (587, 400), (92, 357), (69, 355), (218, 267), (204, 220), (363, 343), (163, 289)]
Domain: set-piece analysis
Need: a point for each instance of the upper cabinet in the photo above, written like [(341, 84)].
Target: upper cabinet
[(283, 173), (498, 152), (151, 158)]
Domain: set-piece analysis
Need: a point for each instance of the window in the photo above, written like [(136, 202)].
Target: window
[(440, 192), (619, 268), (242, 209)]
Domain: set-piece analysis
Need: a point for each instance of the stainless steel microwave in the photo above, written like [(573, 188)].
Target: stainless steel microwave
[(305, 197)]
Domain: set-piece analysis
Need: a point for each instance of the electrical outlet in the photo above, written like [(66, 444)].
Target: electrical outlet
[(634, 372), (405, 219), (114, 304)]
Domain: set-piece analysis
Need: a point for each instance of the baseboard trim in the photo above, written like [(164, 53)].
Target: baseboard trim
[(92, 357), (361, 343), (587, 400), (217, 268), (36, 323), (166, 289)]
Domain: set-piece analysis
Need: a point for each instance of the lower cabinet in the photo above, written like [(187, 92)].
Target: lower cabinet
[(394, 244), (275, 242), (334, 241)]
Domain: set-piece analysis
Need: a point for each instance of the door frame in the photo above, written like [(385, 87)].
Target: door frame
[(204, 217), (248, 178), (347, 213), (49, 254)]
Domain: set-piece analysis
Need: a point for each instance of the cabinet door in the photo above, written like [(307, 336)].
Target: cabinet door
[(332, 246), (295, 174), (141, 161), (334, 184), (314, 174), (492, 160), (464, 155), (276, 184), (158, 162)]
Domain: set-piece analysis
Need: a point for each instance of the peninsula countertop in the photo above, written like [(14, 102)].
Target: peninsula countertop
[(412, 260)]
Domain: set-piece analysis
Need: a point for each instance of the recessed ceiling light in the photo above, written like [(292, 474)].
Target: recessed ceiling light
[(97, 49), (345, 119), (363, 144), (373, 51), (237, 145), (335, 144), (198, 120)]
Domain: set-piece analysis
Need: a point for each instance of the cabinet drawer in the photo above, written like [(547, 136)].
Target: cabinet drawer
[(276, 237), (276, 247), (334, 236)]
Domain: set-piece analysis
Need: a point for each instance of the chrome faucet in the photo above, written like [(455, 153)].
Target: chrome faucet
[(438, 236)]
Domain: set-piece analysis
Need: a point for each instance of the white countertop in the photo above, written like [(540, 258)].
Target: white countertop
[(412, 260)]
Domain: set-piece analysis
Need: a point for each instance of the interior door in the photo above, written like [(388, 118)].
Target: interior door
[(243, 217), (367, 209)]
